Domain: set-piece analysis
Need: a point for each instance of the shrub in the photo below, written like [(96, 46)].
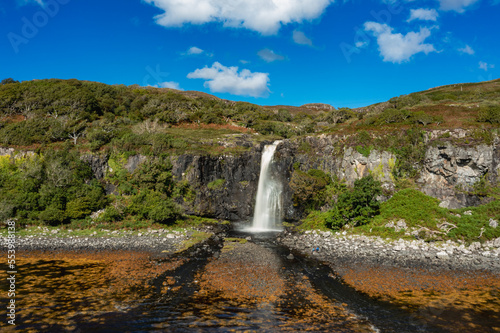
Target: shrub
[(421, 117), (155, 206), (316, 220), (273, 128), (390, 116), (52, 215), (26, 132), (409, 148), (489, 113), (78, 208), (357, 206), (413, 206), (111, 214), (309, 188), (154, 174), (284, 115)]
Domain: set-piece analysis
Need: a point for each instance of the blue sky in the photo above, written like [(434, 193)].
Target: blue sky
[(345, 53)]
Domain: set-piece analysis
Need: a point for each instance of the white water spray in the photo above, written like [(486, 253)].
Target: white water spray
[(268, 205)]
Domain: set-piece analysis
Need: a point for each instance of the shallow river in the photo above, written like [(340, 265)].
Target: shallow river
[(253, 286)]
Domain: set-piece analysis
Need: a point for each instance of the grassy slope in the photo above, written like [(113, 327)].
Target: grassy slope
[(458, 106)]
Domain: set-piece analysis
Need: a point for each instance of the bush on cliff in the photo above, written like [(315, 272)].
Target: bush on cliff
[(309, 188), (357, 206), (51, 188), (489, 113)]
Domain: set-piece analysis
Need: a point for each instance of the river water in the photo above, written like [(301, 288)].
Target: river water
[(251, 286)]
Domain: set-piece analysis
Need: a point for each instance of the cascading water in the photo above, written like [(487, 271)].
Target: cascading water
[(267, 212)]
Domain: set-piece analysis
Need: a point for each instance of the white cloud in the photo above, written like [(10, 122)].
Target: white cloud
[(485, 66), (456, 5), (169, 84), (423, 14), (264, 16), (269, 55), (467, 49), (224, 79), (194, 50), (300, 38), (361, 44), (397, 47)]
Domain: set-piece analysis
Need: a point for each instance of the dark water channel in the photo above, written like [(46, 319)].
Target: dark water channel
[(253, 286), (184, 309)]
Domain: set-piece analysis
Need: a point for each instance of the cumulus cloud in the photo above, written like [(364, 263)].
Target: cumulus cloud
[(456, 5), (423, 14), (300, 38), (222, 79), (194, 50), (264, 16), (169, 84), (485, 66), (467, 49), (269, 55), (395, 47)]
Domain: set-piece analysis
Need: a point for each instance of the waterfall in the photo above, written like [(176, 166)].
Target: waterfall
[(267, 212)]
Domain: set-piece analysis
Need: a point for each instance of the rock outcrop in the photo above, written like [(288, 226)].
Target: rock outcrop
[(448, 169), (225, 186)]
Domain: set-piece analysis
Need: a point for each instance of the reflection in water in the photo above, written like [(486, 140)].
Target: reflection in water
[(246, 287)]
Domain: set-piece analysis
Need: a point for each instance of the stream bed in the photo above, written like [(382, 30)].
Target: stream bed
[(242, 282)]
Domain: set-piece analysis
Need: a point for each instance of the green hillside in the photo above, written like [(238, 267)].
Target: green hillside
[(94, 116)]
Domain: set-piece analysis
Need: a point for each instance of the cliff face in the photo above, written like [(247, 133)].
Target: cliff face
[(225, 186), (448, 171)]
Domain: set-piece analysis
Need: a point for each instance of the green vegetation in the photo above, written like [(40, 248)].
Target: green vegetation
[(94, 116), (151, 121), (357, 206), (58, 187), (421, 215), (309, 188), (414, 207), (216, 184), (195, 238), (63, 120), (51, 188), (354, 206)]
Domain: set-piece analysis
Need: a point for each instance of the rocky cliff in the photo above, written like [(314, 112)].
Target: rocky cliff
[(448, 171), (225, 186)]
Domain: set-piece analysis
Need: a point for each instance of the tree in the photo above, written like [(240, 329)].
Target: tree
[(155, 175), (309, 188), (8, 80), (358, 205), (338, 115), (76, 132)]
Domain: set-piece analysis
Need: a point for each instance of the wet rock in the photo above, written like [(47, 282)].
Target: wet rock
[(345, 248)]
